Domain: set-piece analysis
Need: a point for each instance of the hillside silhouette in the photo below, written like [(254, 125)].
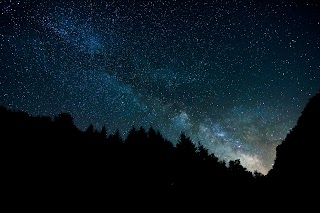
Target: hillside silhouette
[(295, 167), (50, 161)]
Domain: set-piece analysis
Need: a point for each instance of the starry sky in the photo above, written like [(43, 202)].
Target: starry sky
[(233, 75)]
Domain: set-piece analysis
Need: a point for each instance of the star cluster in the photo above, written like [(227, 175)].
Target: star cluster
[(234, 75)]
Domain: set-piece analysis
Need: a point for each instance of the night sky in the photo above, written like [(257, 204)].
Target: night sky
[(234, 75)]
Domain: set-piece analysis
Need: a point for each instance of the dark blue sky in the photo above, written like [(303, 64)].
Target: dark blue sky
[(234, 75)]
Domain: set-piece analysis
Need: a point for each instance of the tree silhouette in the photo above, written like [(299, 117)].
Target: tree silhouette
[(115, 139), (103, 134), (203, 152), (90, 129), (185, 147), (64, 120)]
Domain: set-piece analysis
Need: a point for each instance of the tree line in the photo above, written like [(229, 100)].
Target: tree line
[(51, 156)]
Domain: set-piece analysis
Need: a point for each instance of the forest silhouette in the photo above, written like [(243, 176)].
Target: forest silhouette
[(50, 161)]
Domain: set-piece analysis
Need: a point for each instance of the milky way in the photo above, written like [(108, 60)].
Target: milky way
[(232, 75)]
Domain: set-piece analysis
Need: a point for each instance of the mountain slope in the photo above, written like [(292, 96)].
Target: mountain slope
[(296, 156)]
